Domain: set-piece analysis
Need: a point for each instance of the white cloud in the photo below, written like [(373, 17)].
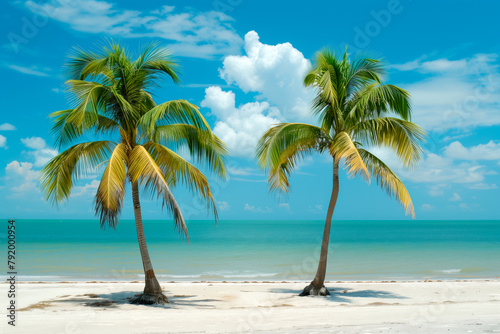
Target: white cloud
[(444, 65), (223, 206), (464, 206), (87, 189), (483, 186), (7, 127), (437, 189), (458, 94), (3, 141), (22, 171), (285, 206), (190, 33), (240, 128), (455, 198), (489, 151), (35, 143), (242, 171), (252, 208), (316, 208), (427, 207), (275, 71), (42, 153), (28, 70)]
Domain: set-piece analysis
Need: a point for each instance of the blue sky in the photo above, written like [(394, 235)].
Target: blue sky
[(242, 63)]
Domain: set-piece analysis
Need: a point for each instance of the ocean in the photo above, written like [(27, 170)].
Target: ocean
[(258, 250)]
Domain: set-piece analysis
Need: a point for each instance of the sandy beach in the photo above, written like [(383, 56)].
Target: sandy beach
[(218, 307)]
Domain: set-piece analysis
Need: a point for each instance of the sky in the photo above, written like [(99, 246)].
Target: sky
[(243, 63)]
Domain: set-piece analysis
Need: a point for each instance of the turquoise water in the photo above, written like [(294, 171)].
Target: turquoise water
[(51, 250)]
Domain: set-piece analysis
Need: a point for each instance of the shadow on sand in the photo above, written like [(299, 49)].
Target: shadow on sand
[(346, 295), (113, 300)]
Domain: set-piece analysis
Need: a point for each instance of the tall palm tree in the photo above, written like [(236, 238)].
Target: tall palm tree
[(356, 111), (112, 98)]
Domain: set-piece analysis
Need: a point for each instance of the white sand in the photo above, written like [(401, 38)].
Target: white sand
[(362, 307)]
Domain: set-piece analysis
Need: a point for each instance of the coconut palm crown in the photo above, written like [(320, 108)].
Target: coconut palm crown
[(112, 99), (356, 111)]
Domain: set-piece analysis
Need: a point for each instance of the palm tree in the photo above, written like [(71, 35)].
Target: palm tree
[(354, 108), (112, 98)]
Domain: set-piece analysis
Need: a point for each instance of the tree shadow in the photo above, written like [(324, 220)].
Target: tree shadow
[(347, 295), (115, 299)]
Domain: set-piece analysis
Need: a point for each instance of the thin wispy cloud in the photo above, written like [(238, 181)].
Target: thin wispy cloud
[(199, 34), (28, 70)]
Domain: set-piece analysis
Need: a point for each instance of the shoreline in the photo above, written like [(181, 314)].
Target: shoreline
[(495, 279), (455, 306)]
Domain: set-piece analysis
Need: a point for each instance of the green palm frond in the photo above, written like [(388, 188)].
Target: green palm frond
[(282, 146), (388, 180), (67, 132), (375, 100), (157, 60), (112, 96), (144, 169), (175, 168), (203, 145), (111, 190), (177, 111), (363, 71), (342, 147), (402, 136), (79, 160)]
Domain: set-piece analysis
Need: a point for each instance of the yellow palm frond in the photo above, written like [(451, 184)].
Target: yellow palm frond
[(388, 180), (57, 175), (343, 147), (143, 168), (111, 190)]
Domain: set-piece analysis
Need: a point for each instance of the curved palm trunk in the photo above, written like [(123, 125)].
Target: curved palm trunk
[(152, 291), (317, 286)]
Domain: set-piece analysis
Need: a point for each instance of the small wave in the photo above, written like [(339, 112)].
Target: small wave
[(177, 276), (448, 271), (218, 275)]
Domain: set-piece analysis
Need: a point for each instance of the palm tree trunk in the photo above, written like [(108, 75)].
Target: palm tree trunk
[(317, 286), (152, 291)]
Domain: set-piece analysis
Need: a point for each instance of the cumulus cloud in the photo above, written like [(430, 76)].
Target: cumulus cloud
[(189, 33), (455, 94), (42, 153), (464, 206), (7, 127), (427, 207), (3, 141), (239, 127), (455, 198), (87, 189), (276, 72), (259, 209), (488, 151), (25, 174), (223, 206), (441, 169)]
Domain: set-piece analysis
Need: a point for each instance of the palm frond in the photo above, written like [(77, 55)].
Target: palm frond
[(58, 174), (375, 100), (342, 147), (175, 168), (177, 111), (203, 145), (388, 180), (111, 190), (283, 145), (67, 132), (143, 168), (402, 136)]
